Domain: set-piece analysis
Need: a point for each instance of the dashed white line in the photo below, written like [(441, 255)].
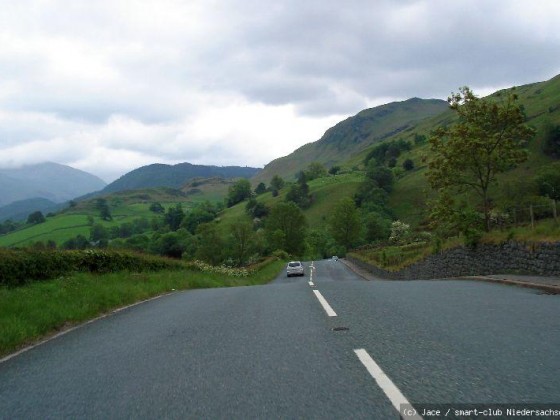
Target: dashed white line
[(390, 389), (324, 303)]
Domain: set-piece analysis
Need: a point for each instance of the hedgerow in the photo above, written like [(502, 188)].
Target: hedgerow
[(19, 267)]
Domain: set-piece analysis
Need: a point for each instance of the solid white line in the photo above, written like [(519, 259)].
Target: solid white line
[(64, 332), (390, 389), (324, 303)]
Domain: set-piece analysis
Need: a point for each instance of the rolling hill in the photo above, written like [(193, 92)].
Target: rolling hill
[(174, 176)]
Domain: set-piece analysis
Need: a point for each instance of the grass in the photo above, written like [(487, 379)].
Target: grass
[(40, 309)]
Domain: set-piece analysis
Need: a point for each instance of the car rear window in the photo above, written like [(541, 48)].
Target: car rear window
[(294, 264)]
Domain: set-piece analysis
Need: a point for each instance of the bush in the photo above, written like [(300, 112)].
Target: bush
[(18, 267)]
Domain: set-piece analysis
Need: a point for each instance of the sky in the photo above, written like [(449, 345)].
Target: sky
[(107, 86)]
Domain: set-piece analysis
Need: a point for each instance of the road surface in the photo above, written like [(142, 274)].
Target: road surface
[(277, 351)]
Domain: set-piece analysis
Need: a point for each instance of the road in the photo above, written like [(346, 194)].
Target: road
[(273, 351)]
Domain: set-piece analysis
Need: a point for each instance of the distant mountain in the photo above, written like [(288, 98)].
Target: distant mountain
[(354, 134), (19, 210), (55, 182), (175, 176)]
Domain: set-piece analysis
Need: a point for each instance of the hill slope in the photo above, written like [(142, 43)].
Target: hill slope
[(174, 176), (55, 182), (351, 136)]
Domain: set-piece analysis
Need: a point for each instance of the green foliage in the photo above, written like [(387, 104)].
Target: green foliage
[(488, 140), (241, 241), (35, 218), (173, 244), (321, 244), (210, 244), (345, 223), (419, 139), (286, 228), (315, 170), (408, 165), (174, 216), (382, 176), (551, 140), (256, 209), (548, 182), (18, 267), (260, 189), (276, 184), (377, 227), (201, 213), (157, 208), (387, 153), (299, 194), (334, 170), (238, 192), (103, 207)]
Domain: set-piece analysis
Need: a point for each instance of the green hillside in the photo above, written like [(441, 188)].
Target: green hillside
[(541, 103), (353, 135), (125, 207), (326, 192)]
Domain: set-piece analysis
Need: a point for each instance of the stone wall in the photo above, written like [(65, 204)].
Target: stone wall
[(509, 258)]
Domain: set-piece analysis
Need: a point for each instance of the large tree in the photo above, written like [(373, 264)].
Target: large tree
[(285, 227), (487, 140), (345, 224)]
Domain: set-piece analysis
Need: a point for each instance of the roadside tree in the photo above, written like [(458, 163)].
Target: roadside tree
[(487, 140)]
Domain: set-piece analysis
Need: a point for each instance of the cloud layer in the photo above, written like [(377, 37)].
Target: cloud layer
[(108, 86)]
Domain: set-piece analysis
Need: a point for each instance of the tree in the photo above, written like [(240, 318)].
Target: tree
[(345, 224), (238, 192), (548, 182), (35, 218), (174, 216), (408, 165), (242, 240), (487, 140), (261, 188), (551, 140), (276, 184), (315, 170), (285, 227), (157, 208), (381, 175), (210, 244), (98, 233), (103, 207), (334, 170), (256, 209)]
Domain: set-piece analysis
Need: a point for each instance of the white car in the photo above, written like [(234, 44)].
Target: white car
[(295, 268)]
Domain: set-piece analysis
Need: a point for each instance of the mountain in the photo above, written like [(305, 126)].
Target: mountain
[(19, 210), (353, 135), (174, 176), (55, 182)]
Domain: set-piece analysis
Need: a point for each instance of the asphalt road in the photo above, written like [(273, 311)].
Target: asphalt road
[(273, 352)]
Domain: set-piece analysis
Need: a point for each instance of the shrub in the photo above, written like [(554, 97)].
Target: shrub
[(18, 267)]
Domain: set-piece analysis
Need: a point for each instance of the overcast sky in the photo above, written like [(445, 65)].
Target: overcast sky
[(110, 85)]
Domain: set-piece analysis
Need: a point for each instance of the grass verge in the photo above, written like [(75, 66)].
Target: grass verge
[(37, 310)]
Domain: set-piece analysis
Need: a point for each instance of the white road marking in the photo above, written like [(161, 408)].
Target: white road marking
[(311, 284), (390, 389), (324, 303)]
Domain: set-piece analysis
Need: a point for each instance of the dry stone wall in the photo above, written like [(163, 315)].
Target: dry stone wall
[(509, 258)]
